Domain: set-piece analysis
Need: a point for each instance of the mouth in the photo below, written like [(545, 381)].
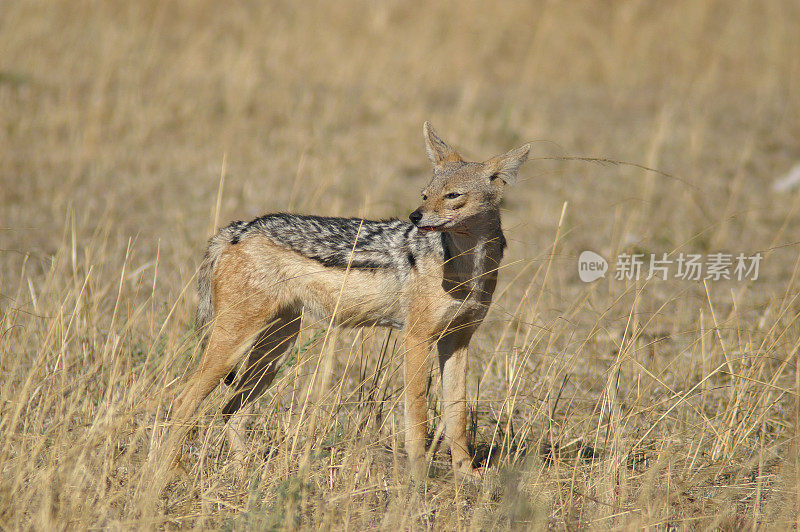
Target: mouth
[(429, 227)]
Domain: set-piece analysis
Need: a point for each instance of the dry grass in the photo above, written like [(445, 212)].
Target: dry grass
[(607, 405)]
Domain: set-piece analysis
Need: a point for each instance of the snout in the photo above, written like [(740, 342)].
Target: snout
[(426, 222)]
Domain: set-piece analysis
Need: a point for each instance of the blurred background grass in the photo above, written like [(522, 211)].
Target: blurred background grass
[(115, 121)]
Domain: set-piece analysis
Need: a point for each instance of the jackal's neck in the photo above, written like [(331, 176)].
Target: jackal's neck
[(483, 234), (476, 252)]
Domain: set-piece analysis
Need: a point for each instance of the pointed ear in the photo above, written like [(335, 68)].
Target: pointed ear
[(506, 166), (438, 150)]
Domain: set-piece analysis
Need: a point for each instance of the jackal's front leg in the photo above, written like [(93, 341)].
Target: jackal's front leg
[(417, 347), (453, 366)]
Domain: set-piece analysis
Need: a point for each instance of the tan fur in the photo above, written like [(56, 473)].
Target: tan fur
[(259, 288)]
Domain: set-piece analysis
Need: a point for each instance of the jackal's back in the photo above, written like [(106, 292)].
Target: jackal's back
[(342, 242)]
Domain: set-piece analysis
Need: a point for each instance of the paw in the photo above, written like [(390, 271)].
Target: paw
[(467, 473)]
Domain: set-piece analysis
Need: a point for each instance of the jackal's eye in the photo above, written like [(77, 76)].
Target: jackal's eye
[(424, 197), (452, 195)]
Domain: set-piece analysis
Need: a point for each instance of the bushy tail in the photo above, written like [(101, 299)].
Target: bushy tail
[(216, 245)]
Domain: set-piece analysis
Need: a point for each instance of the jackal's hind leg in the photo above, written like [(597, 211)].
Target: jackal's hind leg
[(262, 366), (230, 338)]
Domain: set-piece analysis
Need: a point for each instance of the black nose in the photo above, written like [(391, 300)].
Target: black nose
[(415, 217)]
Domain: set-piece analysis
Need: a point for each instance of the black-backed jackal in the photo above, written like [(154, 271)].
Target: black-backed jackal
[(433, 278)]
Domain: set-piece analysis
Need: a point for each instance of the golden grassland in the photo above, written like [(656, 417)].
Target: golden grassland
[(609, 405)]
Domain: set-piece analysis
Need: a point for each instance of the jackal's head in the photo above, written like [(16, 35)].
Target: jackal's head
[(461, 194)]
